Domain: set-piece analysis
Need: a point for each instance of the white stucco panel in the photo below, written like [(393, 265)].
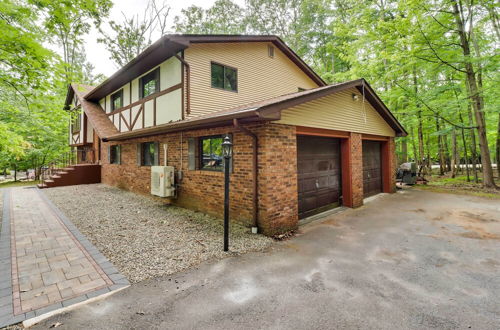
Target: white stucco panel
[(169, 107), (148, 113), (170, 73)]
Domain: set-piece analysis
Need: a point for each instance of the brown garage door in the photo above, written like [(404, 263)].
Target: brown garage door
[(372, 168), (318, 162)]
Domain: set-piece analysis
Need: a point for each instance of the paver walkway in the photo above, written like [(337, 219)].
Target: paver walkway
[(46, 262)]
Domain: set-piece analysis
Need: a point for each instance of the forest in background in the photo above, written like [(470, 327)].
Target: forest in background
[(434, 63)]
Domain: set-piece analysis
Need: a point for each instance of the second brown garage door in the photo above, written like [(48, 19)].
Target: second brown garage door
[(318, 165), (372, 168)]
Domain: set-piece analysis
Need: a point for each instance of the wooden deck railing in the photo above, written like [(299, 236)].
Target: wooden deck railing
[(67, 159)]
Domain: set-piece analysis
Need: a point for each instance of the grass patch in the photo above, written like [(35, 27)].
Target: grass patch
[(10, 184), (459, 185), (457, 191)]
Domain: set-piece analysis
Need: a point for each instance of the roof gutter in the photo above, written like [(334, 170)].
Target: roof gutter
[(255, 184), (225, 120)]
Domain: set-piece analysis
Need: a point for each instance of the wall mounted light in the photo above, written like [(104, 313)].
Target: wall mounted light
[(355, 97)]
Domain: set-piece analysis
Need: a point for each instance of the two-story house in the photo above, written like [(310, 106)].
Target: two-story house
[(300, 146)]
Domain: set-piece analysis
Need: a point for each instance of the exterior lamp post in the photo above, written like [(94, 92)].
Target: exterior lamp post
[(227, 152)]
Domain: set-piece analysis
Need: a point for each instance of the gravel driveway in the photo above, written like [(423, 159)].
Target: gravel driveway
[(144, 238)]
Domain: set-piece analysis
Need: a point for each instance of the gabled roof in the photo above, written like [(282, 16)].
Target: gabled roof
[(267, 110), (95, 113), (171, 44)]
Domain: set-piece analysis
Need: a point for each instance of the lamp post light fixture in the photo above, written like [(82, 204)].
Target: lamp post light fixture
[(227, 152)]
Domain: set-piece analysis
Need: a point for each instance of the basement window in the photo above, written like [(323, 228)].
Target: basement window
[(117, 100), (211, 153), (149, 84), (148, 153), (224, 77), (114, 153)]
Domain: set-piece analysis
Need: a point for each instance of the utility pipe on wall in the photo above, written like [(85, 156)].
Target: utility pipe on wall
[(165, 150), (188, 88), (255, 192)]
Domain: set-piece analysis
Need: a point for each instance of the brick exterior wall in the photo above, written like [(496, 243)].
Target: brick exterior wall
[(204, 190), (198, 190), (357, 169), (278, 191)]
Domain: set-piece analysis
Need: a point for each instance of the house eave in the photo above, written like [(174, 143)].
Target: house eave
[(219, 121), (170, 45)]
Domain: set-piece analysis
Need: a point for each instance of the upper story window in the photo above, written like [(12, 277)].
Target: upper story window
[(224, 77), (117, 100), (149, 84), (76, 122)]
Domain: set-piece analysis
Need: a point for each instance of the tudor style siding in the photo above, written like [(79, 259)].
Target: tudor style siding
[(155, 111), (338, 112), (259, 76)]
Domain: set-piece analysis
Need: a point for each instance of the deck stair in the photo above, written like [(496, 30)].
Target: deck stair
[(73, 175)]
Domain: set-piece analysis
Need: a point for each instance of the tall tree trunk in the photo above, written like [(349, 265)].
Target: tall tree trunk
[(464, 142), (415, 153), (498, 148), (454, 160), (474, 158), (428, 160), (404, 149), (421, 154), (440, 149), (475, 95), (447, 158)]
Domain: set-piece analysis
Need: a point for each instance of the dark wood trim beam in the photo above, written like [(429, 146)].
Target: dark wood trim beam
[(372, 137), (146, 99), (141, 110), (124, 121), (302, 130)]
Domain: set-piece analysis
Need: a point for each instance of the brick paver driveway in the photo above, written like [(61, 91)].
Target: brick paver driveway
[(46, 262)]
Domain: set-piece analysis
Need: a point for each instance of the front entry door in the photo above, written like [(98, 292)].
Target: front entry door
[(318, 164), (372, 168)]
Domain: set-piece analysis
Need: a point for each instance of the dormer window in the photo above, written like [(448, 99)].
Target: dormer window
[(150, 83), (117, 100), (224, 77)]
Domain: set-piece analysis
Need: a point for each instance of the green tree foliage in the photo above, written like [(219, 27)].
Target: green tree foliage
[(411, 51), (135, 33), (224, 17), (33, 79)]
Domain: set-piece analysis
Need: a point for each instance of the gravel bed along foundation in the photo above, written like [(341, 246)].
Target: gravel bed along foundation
[(143, 237)]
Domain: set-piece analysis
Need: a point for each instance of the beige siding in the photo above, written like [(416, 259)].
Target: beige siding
[(338, 112), (259, 76)]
